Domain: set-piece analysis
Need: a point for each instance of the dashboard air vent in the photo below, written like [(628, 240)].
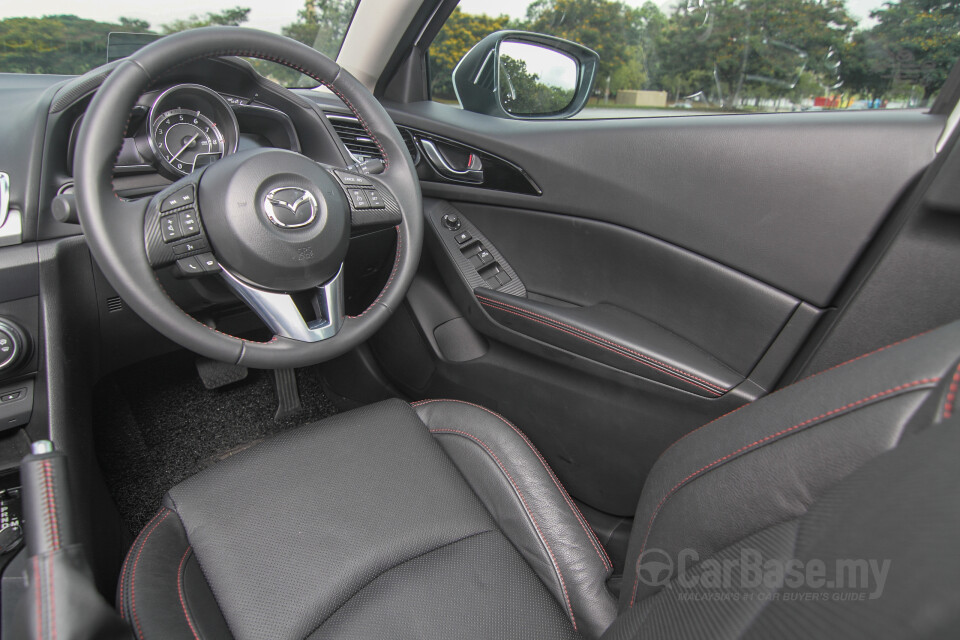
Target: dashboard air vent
[(354, 137), (411, 143)]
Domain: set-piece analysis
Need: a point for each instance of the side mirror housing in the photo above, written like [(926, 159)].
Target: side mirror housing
[(521, 75)]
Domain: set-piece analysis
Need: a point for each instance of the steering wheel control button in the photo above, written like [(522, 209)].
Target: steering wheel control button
[(184, 248), (463, 237), (189, 225), (189, 267), (208, 263), (290, 207), (181, 198), (358, 197), (170, 228), (451, 221), (373, 197), (352, 179)]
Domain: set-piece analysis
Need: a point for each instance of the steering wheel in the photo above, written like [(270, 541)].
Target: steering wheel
[(274, 224)]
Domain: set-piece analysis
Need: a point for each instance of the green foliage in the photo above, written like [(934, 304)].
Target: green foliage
[(459, 34), (523, 92), (228, 17), (921, 40), (732, 52), (53, 44), (731, 49), (321, 24), (612, 29)]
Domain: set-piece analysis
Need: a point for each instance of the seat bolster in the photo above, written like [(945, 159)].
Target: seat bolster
[(161, 570), (770, 460), (530, 506)]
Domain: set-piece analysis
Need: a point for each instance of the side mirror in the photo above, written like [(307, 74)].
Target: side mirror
[(516, 74)]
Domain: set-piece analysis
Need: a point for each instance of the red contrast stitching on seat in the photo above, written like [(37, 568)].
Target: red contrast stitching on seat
[(51, 505), (133, 576), (36, 573), (183, 603), (591, 535), (861, 357), (951, 394), (754, 444), (526, 507), (393, 273), (576, 332), (126, 561), (52, 596), (814, 375)]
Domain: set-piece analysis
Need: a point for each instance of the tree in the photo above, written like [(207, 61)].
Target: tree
[(459, 34), (63, 44), (652, 21), (921, 42), (322, 24), (866, 65), (228, 17), (752, 48), (612, 29), (134, 25), (524, 92)]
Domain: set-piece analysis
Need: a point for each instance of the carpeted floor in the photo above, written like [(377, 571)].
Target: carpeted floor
[(156, 424)]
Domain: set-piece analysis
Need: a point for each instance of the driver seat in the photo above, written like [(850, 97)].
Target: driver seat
[(441, 520)]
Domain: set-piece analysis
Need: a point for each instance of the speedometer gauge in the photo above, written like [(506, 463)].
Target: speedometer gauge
[(187, 139), (190, 126)]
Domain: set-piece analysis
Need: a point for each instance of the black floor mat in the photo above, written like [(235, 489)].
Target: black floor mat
[(155, 424)]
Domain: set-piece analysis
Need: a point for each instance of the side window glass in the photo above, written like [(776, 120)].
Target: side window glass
[(729, 56)]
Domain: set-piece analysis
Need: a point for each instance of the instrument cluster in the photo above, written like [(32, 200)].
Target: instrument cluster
[(190, 126)]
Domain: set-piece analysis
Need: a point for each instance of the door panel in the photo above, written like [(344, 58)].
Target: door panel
[(790, 199), (670, 271), (588, 263)]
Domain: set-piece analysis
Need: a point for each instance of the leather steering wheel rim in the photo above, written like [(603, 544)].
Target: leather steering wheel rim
[(113, 227)]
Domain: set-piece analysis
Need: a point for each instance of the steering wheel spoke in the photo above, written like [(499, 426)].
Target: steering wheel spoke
[(272, 223), (173, 232), (284, 313)]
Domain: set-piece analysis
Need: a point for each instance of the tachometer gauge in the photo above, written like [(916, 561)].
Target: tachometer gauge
[(190, 126), (184, 136)]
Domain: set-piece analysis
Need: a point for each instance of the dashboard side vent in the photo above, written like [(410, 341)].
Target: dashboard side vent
[(354, 137), (114, 304), (411, 143)]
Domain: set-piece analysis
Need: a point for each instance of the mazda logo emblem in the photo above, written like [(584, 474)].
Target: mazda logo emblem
[(290, 207)]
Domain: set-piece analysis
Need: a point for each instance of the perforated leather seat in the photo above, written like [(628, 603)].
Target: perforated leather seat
[(442, 520)]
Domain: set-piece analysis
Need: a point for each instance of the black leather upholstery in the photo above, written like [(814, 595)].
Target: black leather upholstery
[(532, 508), (362, 526), (444, 521), (770, 460)]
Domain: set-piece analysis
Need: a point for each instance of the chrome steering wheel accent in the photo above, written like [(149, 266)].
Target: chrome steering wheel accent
[(280, 313), (285, 263)]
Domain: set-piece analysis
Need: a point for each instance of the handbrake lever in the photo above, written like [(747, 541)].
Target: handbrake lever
[(61, 600)]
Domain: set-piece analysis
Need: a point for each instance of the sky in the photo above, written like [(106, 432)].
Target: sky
[(265, 14)]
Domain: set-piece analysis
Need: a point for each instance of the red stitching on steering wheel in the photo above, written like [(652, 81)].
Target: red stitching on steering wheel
[(360, 119)]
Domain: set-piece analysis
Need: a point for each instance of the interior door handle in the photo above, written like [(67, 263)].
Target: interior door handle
[(473, 172)]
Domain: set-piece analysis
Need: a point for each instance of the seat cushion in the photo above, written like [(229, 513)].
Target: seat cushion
[(361, 526)]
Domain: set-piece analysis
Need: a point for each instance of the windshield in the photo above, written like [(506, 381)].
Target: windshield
[(70, 38)]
